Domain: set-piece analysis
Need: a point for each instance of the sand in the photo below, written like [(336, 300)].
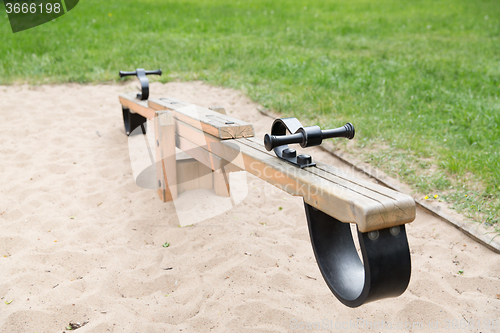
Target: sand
[(81, 242)]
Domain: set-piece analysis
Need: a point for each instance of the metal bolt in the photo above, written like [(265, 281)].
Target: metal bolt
[(289, 153), (304, 159), (395, 230), (373, 235), (159, 183)]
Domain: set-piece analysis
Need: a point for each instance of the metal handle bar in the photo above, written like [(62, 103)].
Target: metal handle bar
[(308, 136), (134, 73)]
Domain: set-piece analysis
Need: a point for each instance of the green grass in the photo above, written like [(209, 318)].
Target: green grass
[(419, 79)]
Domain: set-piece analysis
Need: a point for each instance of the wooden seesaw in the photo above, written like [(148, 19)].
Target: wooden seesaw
[(332, 199)]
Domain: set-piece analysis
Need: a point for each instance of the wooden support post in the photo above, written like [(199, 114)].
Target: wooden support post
[(166, 170), (221, 184)]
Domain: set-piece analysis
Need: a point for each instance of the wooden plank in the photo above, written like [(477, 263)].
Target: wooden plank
[(166, 155), (342, 196), (192, 174), (338, 194), (219, 109), (363, 186), (193, 139), (212, 122), (194, 143), (180, 155), (195, 135), (197, 152), (370, 207), (208, 162), (219, 125), (141, 107), (392, 205), (187, 175)]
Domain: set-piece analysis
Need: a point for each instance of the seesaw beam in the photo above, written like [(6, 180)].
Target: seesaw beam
[(212, 122), (346, 198), (340, 195), (332, 198)]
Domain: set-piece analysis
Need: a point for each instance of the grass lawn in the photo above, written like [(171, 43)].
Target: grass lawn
[(420, 80)]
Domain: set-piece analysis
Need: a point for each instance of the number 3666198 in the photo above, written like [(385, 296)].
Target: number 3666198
[(32, 8)]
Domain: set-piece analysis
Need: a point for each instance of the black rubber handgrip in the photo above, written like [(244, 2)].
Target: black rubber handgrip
[(273, 141), (123, 73), (156, 72), (134, 73), (346, 131)]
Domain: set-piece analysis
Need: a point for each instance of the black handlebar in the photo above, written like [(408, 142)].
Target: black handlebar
[(134, 73), (308, 136), (141, 75)]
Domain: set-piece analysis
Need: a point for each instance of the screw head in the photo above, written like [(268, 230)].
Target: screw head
[(373, 235), (289, 153), (304, 159), (395, 230)]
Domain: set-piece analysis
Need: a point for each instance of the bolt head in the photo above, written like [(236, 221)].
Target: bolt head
[(289, 153), (395, 230), (304, 159), (373, 235)]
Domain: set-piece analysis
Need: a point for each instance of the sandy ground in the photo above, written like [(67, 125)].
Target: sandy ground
[(80, 241)]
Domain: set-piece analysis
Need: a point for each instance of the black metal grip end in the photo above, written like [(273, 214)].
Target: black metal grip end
[(349, 131), (268, 142), (123, 73), (155, 72)]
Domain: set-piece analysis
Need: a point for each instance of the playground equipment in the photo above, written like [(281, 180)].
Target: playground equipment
[(332, 199)]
